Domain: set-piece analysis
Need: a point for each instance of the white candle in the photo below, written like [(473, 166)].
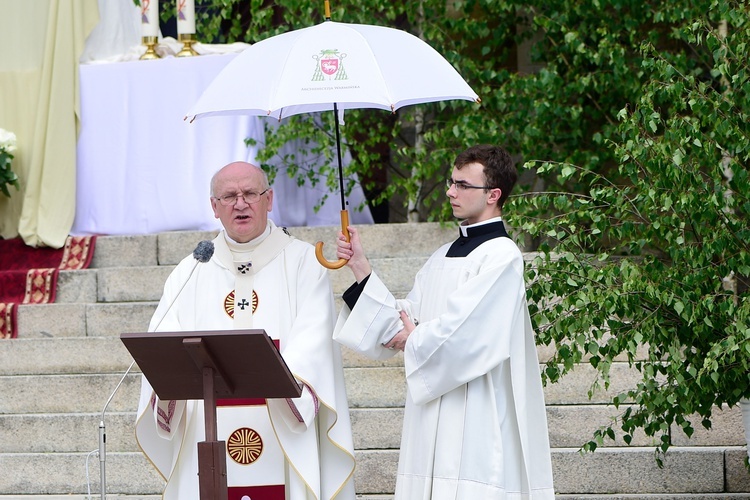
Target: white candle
[(185, 17), (150, 18)]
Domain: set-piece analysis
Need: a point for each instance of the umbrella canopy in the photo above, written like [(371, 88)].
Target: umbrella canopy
[(352, 65), (332, 66)]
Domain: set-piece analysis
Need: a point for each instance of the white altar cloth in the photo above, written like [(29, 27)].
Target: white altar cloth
[(141, 169)]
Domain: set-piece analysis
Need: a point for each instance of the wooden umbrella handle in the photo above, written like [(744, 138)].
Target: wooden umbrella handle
[(319, 245)]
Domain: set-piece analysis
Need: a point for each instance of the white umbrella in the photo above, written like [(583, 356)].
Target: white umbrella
[(331, 67)]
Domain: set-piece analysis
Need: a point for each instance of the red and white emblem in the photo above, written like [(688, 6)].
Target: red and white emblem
[(329, 66)]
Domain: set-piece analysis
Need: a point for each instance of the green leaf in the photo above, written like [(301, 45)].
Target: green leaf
[(679, 306)]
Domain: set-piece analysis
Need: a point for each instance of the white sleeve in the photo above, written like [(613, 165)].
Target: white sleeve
[(373, 321)]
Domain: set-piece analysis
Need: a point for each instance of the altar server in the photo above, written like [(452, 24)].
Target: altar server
[(474, 423), (257, 276)]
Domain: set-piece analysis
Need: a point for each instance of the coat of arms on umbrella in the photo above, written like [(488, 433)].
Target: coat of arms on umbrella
[(329, 63)]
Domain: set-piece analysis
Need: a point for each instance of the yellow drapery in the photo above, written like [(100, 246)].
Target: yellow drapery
[(40, 43)]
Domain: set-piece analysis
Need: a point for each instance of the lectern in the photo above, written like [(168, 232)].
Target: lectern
[(231, 364)]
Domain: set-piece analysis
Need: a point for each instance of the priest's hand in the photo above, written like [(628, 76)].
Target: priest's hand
[(353, 252), (399, 340)]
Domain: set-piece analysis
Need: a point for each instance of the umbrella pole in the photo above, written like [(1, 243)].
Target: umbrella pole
[(344, 212), (338, 152)]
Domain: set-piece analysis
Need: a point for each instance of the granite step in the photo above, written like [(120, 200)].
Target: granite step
[(380, 240), (686, 471), (47, 356), (61, 320), (373, 428), (88, 319), (367, 387), (146, 283), (641, 496), (378, 428)]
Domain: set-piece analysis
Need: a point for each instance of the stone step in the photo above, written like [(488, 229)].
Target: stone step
[(75, 473), (633, 471), (81, 323), (373, 428), (367, 387), (640, 496), (686, 470), (96, 495), (145, 283), (379, 240), (68, 433), (88, 319), (88, 393), (106, 354), (48, 356), (76, 355), (90, 331), (112, 319), (137, 284), (655, 496), (83, 320)]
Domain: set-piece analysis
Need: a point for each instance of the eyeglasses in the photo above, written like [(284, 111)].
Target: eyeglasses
[(250, 197), (461, 185)]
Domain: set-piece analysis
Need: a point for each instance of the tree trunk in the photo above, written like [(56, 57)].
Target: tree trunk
[(412, 213), (415, 199)]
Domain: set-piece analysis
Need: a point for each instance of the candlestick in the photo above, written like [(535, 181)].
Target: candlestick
[(150, 43), (187, 45)]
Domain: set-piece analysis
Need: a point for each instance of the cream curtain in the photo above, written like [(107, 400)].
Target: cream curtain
[(40, 44)]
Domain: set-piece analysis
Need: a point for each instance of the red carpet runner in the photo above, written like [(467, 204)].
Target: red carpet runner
[(28, 275)]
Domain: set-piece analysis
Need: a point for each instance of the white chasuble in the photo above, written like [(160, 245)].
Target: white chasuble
[(474, 423), (295, 449)]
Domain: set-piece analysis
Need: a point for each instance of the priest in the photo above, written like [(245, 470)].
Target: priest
[(255, 275), (474, 424)]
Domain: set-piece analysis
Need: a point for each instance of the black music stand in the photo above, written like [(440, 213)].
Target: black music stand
[(232, 364)]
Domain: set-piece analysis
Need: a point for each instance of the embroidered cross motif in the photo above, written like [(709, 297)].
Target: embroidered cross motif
[(244, 268), (243, 303), (229, 304)]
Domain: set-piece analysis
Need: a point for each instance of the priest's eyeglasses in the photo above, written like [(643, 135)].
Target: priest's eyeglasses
[(462, 186), (250, 197)]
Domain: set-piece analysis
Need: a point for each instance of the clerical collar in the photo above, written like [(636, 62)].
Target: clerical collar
[(466, 229), (245, 249), (471, 236)]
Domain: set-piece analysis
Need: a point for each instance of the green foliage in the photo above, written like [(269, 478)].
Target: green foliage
[(650, 262), (560, 100)]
